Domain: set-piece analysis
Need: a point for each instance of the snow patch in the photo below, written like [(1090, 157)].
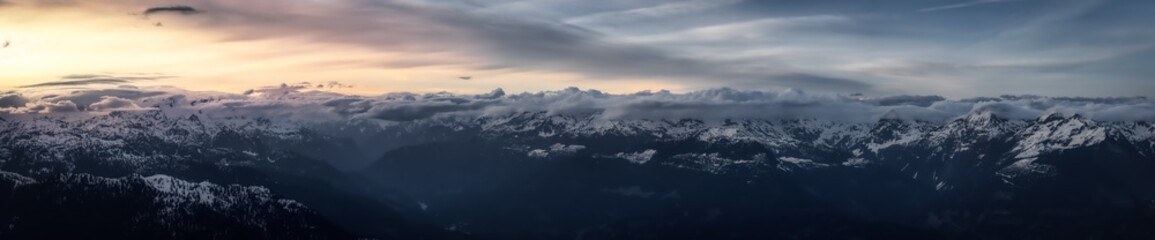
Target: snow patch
[(637, 157), (16, 178), (792, 163), (555, 149), (1025, 167), (715, 163), (856, 162), (562, 148), (906, 138), (538, 153)]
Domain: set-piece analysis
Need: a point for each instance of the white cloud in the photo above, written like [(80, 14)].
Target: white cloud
[(108, 103), (662, 10), (760, 29), (962, 5)]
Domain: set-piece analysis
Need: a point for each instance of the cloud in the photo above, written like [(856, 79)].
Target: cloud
[(495, 94), (474, 41), (53, 107), (186, 10), (1145, 111), (803, 80), (1006, 110), (720, 104), (662, 10), (85, 76), (713, 105), (76, 83), (1044, 47), (962, 5), (93, 79), (914, 100), (12, 101), (756, 31), (425, 109), (72, 100), (108, 103)]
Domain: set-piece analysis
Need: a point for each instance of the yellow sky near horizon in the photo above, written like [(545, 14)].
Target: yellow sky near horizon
[(46, 43)]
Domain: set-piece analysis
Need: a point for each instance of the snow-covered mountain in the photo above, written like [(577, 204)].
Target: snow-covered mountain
[(152, 141), (159, 206), (551, 174), (287, 159), (958, 172), (1014, 146)]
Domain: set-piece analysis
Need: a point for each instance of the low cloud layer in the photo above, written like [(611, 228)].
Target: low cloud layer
[(296, 103), (108, 103)]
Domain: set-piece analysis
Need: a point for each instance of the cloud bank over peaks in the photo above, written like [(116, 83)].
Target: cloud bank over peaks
[(306, 102)]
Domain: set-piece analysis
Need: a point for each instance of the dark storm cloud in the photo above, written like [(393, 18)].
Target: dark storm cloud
[(186, 10)]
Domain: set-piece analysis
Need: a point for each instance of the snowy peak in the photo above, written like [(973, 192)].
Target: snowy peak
[(1059, 116), (1054, 132), (982, 125), (189, 136), (983, 119)]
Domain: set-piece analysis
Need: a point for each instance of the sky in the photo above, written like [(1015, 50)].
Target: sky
[(952, 48)]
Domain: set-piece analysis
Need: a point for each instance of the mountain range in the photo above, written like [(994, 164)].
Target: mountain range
[(537, 175)]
